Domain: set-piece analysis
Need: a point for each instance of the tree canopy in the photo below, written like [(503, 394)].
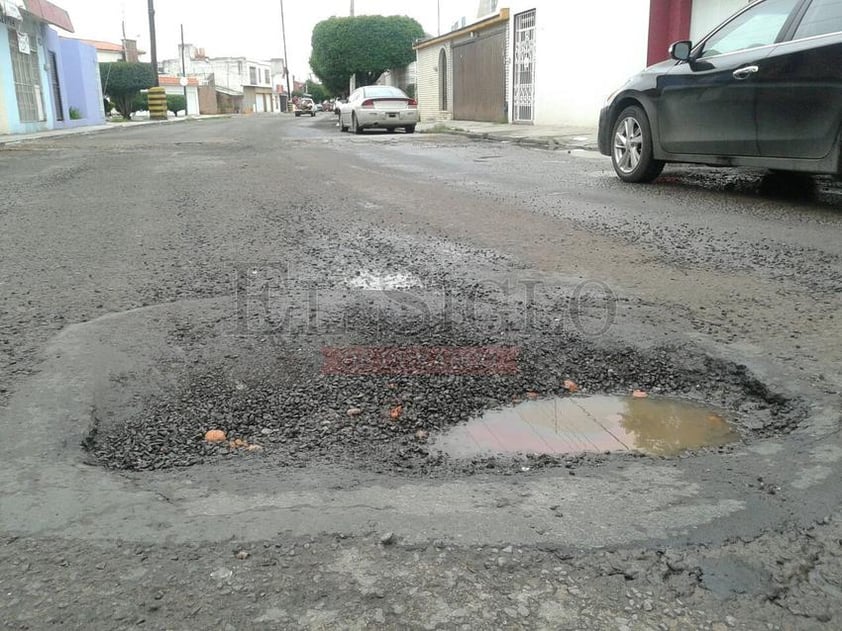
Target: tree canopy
[(122, 81), (365, 46), (315, 90)]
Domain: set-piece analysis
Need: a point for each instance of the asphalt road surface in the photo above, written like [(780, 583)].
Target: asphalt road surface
[(234, 274)]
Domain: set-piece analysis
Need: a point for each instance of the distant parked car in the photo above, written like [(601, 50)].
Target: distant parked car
[(304, 106), (378, 106), (763, 89)]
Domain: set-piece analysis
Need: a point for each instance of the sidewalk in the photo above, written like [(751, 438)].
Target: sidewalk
[(93, 129), (546, 136)]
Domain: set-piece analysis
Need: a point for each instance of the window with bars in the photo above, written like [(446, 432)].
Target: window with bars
[(252, 75), (266, 77), (27, 76)]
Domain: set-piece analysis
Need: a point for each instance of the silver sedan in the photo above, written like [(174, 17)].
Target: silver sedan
[(378, 106)]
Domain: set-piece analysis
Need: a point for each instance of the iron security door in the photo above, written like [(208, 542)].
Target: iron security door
[(479, 78), (523, 103)]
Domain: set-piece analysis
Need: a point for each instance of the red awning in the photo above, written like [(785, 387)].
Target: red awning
[(50, 13)]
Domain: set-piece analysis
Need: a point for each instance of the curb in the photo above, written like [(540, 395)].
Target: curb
[(82, 131), (541, 142)]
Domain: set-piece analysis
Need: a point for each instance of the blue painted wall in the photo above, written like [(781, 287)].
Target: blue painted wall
[(78, 73), (80, 83), (13, 123)]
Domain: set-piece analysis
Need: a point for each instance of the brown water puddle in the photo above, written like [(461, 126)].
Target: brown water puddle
[(656, 426)]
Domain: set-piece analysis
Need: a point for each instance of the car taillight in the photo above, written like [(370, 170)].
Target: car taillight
[(412, 103), (368, 103)]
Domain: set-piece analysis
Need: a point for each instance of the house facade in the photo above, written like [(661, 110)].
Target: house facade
[(46, 81), (108, 52), (244, 85), (545, 62), (172, 86), (462, 74)]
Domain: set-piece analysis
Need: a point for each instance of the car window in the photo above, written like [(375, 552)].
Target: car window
[(758, 26), (383, 91), (822, 17)]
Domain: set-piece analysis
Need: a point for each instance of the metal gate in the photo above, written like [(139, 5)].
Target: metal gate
[(523, 101), (479, 78), (59, 104)]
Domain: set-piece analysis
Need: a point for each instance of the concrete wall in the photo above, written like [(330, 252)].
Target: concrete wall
[(584, 51), (80, 82), (427, 83), (207, 100)]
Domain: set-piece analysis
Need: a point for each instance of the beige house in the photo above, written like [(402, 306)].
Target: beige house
[(462, 74)]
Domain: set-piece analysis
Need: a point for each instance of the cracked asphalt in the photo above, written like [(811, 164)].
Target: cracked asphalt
[(161, 281)]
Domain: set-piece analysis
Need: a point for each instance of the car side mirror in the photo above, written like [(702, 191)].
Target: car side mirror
[(680, 51)]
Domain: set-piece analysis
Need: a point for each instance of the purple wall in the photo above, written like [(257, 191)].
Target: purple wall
[(79, 79)]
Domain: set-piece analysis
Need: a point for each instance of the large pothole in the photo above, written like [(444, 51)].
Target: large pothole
[(398, 387)]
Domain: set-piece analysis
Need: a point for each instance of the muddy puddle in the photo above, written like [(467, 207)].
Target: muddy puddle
[(655, 426)]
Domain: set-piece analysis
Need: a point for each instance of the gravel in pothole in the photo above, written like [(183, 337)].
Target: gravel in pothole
[(289, 403)]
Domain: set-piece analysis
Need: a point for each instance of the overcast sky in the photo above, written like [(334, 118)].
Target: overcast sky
[(249, 28)]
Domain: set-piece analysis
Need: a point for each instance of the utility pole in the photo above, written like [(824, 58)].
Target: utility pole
[(352, 8), (184, 72), (286, 58), (153, 46), (438, 6)]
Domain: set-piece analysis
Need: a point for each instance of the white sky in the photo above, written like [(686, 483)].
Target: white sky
[(250, 28)]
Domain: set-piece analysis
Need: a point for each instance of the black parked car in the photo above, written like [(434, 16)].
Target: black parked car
[(764, 89)]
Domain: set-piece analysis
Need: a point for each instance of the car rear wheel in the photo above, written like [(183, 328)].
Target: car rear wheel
[(631, 151), (355, 127), (409, 129)]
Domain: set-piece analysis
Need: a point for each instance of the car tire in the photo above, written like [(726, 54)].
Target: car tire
[(631, 147), (342, 127), (297, 114), (409, 129), (313, 115), (355, 126)]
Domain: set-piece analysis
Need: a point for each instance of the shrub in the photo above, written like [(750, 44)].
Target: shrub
[(176, 103), (122, 81)]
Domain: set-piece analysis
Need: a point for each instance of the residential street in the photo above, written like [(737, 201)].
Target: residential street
[(166, 280)]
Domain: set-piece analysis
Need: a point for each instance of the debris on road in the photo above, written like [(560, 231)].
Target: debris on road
[(215, 436)]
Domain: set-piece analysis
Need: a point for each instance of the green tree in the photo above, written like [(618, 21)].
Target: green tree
[(122, 82), (176, 103), (317, 91), (364, 46)]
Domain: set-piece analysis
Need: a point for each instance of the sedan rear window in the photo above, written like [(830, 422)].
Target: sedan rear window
[(383, 92), (822, 17)]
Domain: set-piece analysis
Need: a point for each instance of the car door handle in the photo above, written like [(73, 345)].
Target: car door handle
[(745, 72)]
